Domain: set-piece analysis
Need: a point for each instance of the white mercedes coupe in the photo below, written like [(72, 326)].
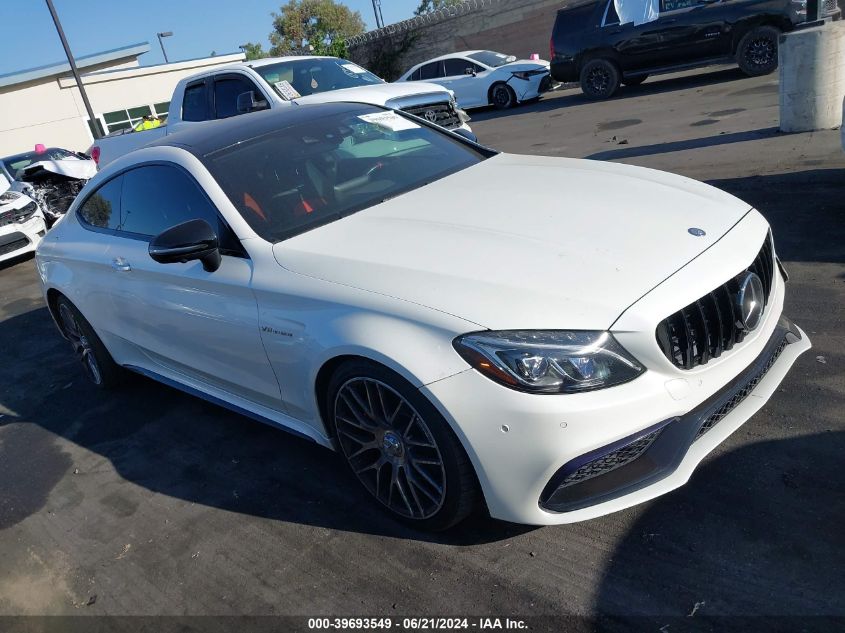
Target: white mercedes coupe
[(437, 312)]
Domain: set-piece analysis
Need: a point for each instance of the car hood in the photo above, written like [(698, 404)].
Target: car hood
[(391, 95), (522, 242)]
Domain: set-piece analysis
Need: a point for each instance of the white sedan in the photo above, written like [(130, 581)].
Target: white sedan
[(482, 78), (377, 285)]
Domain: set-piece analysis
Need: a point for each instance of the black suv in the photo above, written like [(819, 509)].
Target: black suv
[(591, 46)]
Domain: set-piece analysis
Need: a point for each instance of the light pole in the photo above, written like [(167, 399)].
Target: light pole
[(379, 16), (95, 130), (160, 43)]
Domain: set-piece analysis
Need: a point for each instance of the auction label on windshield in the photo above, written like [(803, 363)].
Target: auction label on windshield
[(389, 120), (286, 90)]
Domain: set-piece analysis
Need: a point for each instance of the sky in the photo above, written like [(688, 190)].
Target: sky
[(29, 39)]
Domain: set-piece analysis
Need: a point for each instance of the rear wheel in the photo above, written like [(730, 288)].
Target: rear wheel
[(502, 96), (400, 447), (97, 363), (634, 81), (757, 53), (600, 79)]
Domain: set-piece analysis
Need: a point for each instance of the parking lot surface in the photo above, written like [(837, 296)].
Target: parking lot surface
[(148, 501)]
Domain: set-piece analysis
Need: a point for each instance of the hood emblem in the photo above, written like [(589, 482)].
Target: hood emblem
[(750, 301), (697, 232), (431, 116)]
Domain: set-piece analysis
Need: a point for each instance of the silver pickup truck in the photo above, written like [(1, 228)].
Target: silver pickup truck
[(279, 82)]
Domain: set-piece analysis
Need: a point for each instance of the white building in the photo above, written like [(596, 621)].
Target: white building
[(43, 105)]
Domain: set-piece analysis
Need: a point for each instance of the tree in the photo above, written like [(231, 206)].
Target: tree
[(428, 6), (320, 27), (254, 51)]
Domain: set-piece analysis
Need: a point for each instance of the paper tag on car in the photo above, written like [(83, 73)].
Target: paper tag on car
[(353, 68), (286, 91), (389, 120)]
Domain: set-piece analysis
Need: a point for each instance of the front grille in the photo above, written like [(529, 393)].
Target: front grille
[(706, 328), (830, 7), (611, 461), (11, 247), (18, 216), (443, 114), (741, 393)]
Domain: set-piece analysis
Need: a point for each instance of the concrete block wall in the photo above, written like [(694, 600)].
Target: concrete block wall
[(515, 27)]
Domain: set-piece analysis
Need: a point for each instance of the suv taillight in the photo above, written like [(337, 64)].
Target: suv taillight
[(551, 48)]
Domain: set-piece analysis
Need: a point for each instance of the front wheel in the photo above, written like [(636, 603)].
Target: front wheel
[(97, 363), (600, 79), (502, 96), (757, 53), (400, 447)]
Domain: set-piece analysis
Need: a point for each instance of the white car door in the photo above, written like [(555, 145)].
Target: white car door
[(201, 324), (470, 90)]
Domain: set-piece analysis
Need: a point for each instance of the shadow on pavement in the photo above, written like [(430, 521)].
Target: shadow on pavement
[(756, 532), (805, 208), (173, 444), (679, 146), (654, 85)]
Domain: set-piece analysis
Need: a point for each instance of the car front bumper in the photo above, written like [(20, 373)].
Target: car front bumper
[(553, 459), (20, 239)]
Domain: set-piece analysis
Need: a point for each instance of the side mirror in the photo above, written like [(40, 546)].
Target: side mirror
[(186, 242), (247, 103)]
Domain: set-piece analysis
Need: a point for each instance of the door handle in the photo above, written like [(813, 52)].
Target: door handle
[(120, 264)]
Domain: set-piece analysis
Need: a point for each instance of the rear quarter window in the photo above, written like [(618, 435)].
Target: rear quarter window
[(102, 208)]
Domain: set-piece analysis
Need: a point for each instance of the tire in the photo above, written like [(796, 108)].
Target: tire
[(502, 96), (399, 447), (600, 79), (757, 52), (634, 81), (97, 363)]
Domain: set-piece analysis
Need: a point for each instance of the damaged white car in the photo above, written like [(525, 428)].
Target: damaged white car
[(21, 222), (50, 176)]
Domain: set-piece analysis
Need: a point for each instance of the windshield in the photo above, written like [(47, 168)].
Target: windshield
[(308, 174), (17, 162), (492, 59), (311, 75)]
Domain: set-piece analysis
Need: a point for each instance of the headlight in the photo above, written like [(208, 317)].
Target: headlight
[(9, 196), (549, 361), (528, 74)]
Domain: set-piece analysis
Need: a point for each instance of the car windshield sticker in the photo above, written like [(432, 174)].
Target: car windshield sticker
[(636, 11), (389, 120), (355, 70), (286, 91)]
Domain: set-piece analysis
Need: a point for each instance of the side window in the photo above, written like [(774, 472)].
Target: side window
[(226, 93), (458, 67), (195, 104), (610, 16), (102, 208), (431, 71), (157, 197), (415, 76)]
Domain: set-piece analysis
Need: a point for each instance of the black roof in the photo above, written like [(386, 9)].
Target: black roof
[(203, 138)]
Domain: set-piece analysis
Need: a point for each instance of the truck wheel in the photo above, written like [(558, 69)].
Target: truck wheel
[(600, 79), (757, 53)]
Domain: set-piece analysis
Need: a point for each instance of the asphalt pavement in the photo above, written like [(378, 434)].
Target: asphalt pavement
[(151, 502)]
